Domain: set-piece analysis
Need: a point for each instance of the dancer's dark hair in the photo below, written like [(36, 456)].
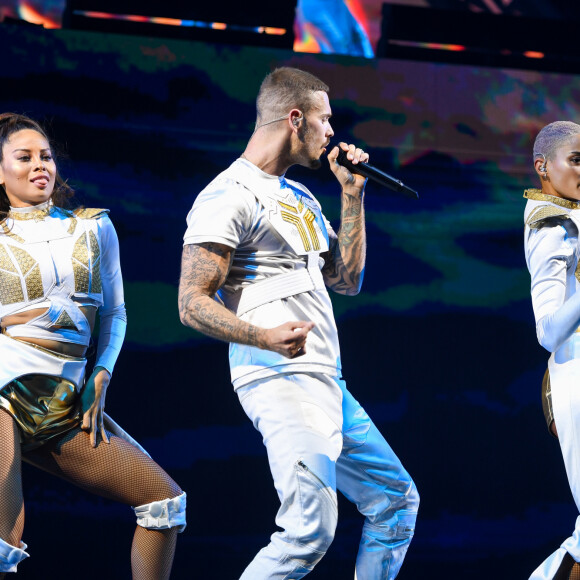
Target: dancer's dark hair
[(11, 123)]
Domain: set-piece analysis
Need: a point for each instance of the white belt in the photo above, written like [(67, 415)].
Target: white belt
[(282, 286)]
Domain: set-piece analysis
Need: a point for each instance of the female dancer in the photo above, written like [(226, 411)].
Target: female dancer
[(552, 248), (58, 269)]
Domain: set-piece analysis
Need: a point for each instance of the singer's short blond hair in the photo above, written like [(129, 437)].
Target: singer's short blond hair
[(285, 89)]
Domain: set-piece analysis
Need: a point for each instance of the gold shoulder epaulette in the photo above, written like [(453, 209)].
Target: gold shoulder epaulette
[(545, 212), (90, 213)]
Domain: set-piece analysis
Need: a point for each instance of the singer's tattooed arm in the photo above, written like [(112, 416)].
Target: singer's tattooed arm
[(204, 269), (345, 261)]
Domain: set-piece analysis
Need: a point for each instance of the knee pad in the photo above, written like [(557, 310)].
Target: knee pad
[(397, 521), (10, 556), (164, 514), (413, 498)]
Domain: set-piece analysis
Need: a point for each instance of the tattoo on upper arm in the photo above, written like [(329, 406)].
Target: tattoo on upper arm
[(204, 270), (345, 259), (329, 268), (205, 267)]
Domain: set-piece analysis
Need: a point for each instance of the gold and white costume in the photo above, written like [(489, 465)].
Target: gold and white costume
[(58, 261), (318, 437), (552, 255), (279, 232)]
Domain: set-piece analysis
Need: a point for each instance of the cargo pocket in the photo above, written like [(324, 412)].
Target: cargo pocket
[(318, 509)]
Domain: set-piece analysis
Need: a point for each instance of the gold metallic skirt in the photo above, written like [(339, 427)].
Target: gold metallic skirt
[(547, 403), (42, 406)]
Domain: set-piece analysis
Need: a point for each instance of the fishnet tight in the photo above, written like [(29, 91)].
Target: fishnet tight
[(11, 500), (568, 570), (116, 471)]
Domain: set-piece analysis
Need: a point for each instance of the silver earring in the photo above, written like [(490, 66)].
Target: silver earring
[(543, 168)]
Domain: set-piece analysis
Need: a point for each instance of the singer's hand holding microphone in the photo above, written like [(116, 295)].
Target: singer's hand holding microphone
[(352, 183), (362, 167)]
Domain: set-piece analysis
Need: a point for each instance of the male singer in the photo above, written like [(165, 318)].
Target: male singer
[(257, 258)]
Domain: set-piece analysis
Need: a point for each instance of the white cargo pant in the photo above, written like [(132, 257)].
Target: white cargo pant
[(319, 439)]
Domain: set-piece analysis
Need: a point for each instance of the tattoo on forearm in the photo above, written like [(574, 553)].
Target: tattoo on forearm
[(344, 263), (204, 270)]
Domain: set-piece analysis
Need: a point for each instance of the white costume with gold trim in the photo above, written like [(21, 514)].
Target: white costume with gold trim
[(319, 439), (59, 261), (552, 255), (55, 261), (279, 232)]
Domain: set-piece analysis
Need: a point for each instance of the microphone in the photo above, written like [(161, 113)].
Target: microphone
[(376, 175)]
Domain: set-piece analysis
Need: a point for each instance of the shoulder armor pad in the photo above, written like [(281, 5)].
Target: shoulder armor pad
[(90, 213), (545, 212)]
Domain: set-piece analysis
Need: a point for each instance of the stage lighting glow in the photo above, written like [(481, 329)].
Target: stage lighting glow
[(136, 18), (534, 54), (29, 13), (430, 45), (178, 22), (272, 30)]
